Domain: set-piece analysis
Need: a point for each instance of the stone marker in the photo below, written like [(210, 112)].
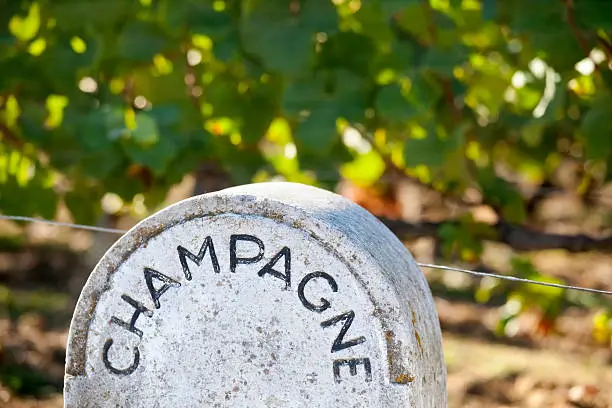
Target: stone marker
[(266, 295)]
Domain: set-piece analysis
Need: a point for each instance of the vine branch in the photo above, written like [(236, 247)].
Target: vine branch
[(571, 20), (517, 237)]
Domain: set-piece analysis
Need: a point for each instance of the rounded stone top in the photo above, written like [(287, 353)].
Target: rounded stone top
[(264, 295)]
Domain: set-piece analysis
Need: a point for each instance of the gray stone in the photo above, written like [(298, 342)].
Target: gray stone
[(307, 301)]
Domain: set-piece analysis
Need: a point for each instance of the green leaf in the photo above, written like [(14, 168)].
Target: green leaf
[(488, 90), (432, 149), (544, 25), (392, 7), (595, 14), (444, 61), (146, 132), (374, 21), (166, 115), (101, 162), (200, 17), (156, 156), (596, 128), (282, 36), (32, 121), (61, 65), (222, 93), (140, 41), (424, 92), (303, 94), (198, 148), (317, 133), (21, 180), (415, 19), (161, 89), (77, 14), (606, 76), (458, 241), (349, 93), (241, 164), (228, 48), (399, 104), (391, 104), (401, 58), (84, 214), (489, 8), (101, 127), (502, 195), (349, 50), (530, 16), (259, 111)]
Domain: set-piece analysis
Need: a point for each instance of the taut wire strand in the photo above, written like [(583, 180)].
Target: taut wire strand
[(62, 224), (514, 278)]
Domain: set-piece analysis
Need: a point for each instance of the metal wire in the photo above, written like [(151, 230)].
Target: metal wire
[(62, 224), (422, 265), (514, 278)]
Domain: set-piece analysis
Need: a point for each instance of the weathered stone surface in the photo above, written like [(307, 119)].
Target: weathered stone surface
[(267, 295)]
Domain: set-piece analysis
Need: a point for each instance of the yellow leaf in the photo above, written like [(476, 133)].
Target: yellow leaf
[(130, 119), (602, 332), (365, 170), (25, 172), (583, 86), (117, 85), (202, 42), (78, 45), (279, 132), (219, 5), (162, 65), (235, 138), (386, 76), (37, 47), (206, 109), (55, 106), (26, 28), (12, 111)]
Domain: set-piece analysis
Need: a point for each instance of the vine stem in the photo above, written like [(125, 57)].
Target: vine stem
[(571, 20)]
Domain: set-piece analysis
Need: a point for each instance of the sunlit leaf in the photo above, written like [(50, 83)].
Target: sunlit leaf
[(365, 169), (26, 28), (146, 131)]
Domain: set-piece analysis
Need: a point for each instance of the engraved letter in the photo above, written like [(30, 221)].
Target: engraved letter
[(353, 363), (269, 267), (235, 260), (131, 326), (156, 293), (324, 302), (206, 246), (339, 343), (126, 371)]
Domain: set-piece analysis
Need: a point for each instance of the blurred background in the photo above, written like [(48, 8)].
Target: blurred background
[(479, 131)]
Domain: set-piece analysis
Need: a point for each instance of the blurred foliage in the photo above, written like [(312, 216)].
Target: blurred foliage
[(125, 97), (545, 300)]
